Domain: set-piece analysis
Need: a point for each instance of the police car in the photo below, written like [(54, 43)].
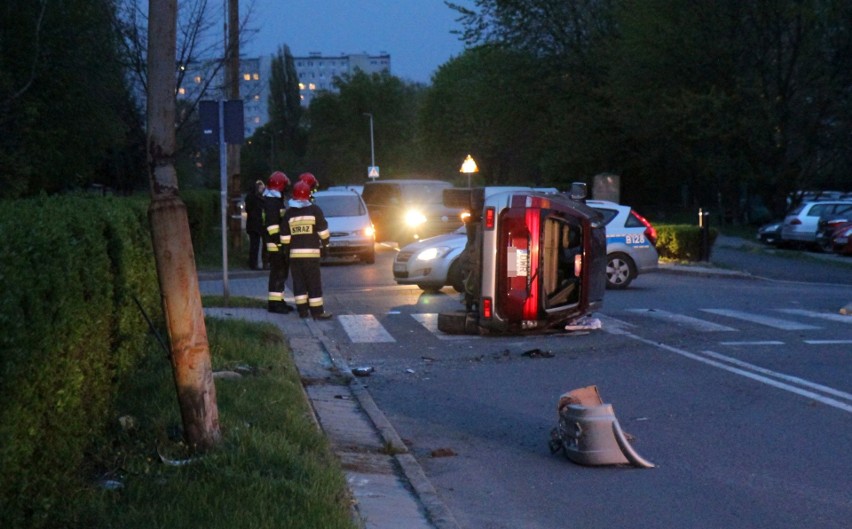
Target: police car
[(630, 241)]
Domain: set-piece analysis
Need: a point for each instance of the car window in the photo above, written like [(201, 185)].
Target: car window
[(427, 193), (608, 214), (819, 209), (381, 194), (341, 205)]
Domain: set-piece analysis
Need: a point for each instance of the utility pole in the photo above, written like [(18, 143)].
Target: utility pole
[(232, 76), (173, 253)]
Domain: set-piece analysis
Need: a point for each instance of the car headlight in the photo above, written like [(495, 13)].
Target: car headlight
[(369, 231), (436, 252), (414, 218)]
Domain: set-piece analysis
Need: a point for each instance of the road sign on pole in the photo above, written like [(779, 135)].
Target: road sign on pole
[(373, 171)]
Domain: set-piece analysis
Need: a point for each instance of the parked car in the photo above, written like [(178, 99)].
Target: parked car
[(349, 224), (800, 225), (841, 241), (770, 233), (630, 241), (828, 224), (407, 210)]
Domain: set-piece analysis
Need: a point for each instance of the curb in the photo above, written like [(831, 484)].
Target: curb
[(437, 512)]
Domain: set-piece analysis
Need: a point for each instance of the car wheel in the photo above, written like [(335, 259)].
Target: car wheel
[(620, 271), (454, 276), (369, 257)]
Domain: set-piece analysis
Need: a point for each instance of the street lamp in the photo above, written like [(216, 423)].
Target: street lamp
[(372, 145), (469, 167)]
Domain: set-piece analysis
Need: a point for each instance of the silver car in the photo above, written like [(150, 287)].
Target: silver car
[(800, 225), (352, 233), (630, 241), (432, 263)]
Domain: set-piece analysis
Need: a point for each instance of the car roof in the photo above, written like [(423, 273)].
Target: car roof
[(409, 181), (337, 193)]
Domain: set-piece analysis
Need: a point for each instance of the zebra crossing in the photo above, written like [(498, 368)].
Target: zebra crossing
[(370, 328)]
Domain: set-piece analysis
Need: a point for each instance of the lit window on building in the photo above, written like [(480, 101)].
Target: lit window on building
[(312, 86), (255, 76), (256, 97), (301, 86), (247, 77), (197, 79), (257, 119), (182, 91)]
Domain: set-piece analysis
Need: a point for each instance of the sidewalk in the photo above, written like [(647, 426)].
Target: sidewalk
[(389, 486)]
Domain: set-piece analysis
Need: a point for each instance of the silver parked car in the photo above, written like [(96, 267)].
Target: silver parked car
[(352, 233), (800, 225), (432, 263)]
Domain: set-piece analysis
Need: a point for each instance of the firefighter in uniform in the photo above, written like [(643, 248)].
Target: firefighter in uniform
[(304, 231), (312, 182), (279, 260)]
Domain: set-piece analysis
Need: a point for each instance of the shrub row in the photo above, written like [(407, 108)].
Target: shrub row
[(76, 273), (682, 241)]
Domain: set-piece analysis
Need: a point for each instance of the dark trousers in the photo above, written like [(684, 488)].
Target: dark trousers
[(279, 268), (307, 285), (256, 250)]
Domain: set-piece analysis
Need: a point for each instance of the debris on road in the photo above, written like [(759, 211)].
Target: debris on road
[(363, 371), (538, 353), (589, 434)]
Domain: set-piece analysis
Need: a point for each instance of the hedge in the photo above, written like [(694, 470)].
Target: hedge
[(72, 272), (682, 241)]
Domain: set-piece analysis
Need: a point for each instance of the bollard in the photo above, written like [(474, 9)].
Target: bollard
[(704, 225)]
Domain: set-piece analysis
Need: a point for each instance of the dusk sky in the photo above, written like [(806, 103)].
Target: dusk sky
[(416, 33)]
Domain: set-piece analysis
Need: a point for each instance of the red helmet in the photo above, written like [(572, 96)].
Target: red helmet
[(309, 179), (278, 181), (301, 191)]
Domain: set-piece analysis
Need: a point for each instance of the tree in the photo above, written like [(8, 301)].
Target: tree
[(190, 351), (339, 141), (67, 119), (488, 103), (285, 108)]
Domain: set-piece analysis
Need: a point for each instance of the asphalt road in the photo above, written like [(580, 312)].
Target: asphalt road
[(736, 388)]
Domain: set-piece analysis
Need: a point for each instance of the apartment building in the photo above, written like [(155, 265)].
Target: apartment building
[(316, 73)]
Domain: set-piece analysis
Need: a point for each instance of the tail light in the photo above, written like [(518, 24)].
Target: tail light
[(650, 231), (489, 218), (487, 308)]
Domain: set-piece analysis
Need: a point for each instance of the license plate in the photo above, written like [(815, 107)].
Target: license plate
[(398, 267)]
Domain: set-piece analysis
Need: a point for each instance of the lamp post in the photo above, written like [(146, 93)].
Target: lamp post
[(469, 167), (372, 145)]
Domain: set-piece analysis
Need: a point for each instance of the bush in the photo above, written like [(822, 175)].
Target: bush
[(682, 241), (73, 269)]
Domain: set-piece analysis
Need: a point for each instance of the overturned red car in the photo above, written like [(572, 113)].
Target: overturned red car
[(534, 261)]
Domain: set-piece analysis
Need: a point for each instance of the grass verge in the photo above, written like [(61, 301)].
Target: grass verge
[(273, 469)]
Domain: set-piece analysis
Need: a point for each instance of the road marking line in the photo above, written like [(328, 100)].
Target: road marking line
[(695, 323), (780, 376), (777, 323), (364, 328), (430, 321), (742, 372), (765, 342), (828, 342), (813, 314)]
